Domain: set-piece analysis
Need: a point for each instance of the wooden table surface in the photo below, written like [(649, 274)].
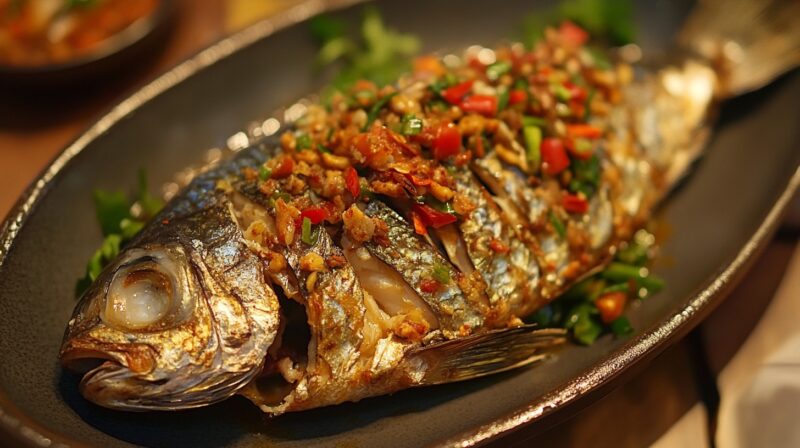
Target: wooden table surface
[(33, 128)]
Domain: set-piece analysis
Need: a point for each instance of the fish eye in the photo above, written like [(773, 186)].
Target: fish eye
[(145, 295), (138, 298)]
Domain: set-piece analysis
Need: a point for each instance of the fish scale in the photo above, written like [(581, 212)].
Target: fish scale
[(338, 300), (415, 259), (512, 277)]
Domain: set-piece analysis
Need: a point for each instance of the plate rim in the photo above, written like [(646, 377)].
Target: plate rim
[(656, 339)]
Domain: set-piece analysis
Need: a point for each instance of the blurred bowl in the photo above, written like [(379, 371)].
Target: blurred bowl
[(135, 42)]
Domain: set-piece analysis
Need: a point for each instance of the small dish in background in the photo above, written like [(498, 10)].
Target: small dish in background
[(58, 42)]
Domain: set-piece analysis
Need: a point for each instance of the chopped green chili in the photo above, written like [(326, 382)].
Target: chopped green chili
[(498, 69), (584, 326), (533, 142), (562, 93), (279, 195), (558, 225), (304, 141), (440, 273), (586, 176), (310, 233), (376, 109), (534, 121), (633, 254), (411, 125), (620, 272), (439, 205), (502, 98), (617, 287), (621, 326), (366, 193), (583, 146)]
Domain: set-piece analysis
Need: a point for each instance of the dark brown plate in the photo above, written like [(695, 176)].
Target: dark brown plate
[(718, 222)]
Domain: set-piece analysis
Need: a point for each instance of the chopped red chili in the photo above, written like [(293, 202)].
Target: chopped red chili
[(576, 92), (429, 285), (517, 96), (554, 157), (454, 94), (573, 34), (352, 182), (584, 130), (611, 305), (447, 142), (419, 226), (315, 214), (433, 218), (580, 148), (498, 246), (284, 168), (574, 203), (480, 104)]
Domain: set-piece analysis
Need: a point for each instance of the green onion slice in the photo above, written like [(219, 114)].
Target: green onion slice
[(310, 233), (557, 224), (533, 142), (411, 125), (498, 69)]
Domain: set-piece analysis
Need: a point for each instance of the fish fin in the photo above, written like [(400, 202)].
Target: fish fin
[(753, 41), (486, 353)]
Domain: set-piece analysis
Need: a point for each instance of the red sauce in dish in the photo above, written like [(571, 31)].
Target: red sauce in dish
[(39, 32)]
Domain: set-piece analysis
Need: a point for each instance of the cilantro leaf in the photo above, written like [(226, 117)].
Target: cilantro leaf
[(379, 55), (606, 19), (108, 250), (113, 211), (150, 204), (111, 207)]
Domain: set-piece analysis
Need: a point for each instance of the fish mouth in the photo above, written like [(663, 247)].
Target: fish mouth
[(104, 374), (80, 360), (82, 357), (112, 375), (126, 378)]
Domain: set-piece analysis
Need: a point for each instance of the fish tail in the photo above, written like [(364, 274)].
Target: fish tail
[(751, 42)]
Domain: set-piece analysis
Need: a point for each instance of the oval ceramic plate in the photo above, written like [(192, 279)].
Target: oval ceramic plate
[(718, 221)]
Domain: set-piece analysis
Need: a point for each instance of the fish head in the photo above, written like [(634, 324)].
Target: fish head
[(181, 319)]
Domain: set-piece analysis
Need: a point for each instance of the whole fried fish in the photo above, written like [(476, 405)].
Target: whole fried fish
[(397, 237)]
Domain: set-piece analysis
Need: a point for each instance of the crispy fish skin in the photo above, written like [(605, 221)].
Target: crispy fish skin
[(221, 315), (528, 209), (414, 259), (511, 273), (335, 308)]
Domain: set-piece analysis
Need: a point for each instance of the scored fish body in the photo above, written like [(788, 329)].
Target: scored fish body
[(348, 260)]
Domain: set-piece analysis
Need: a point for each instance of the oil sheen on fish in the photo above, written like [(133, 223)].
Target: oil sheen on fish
[(397, 236)]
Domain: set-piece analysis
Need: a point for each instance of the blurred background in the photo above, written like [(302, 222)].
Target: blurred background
[(719, 380)]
